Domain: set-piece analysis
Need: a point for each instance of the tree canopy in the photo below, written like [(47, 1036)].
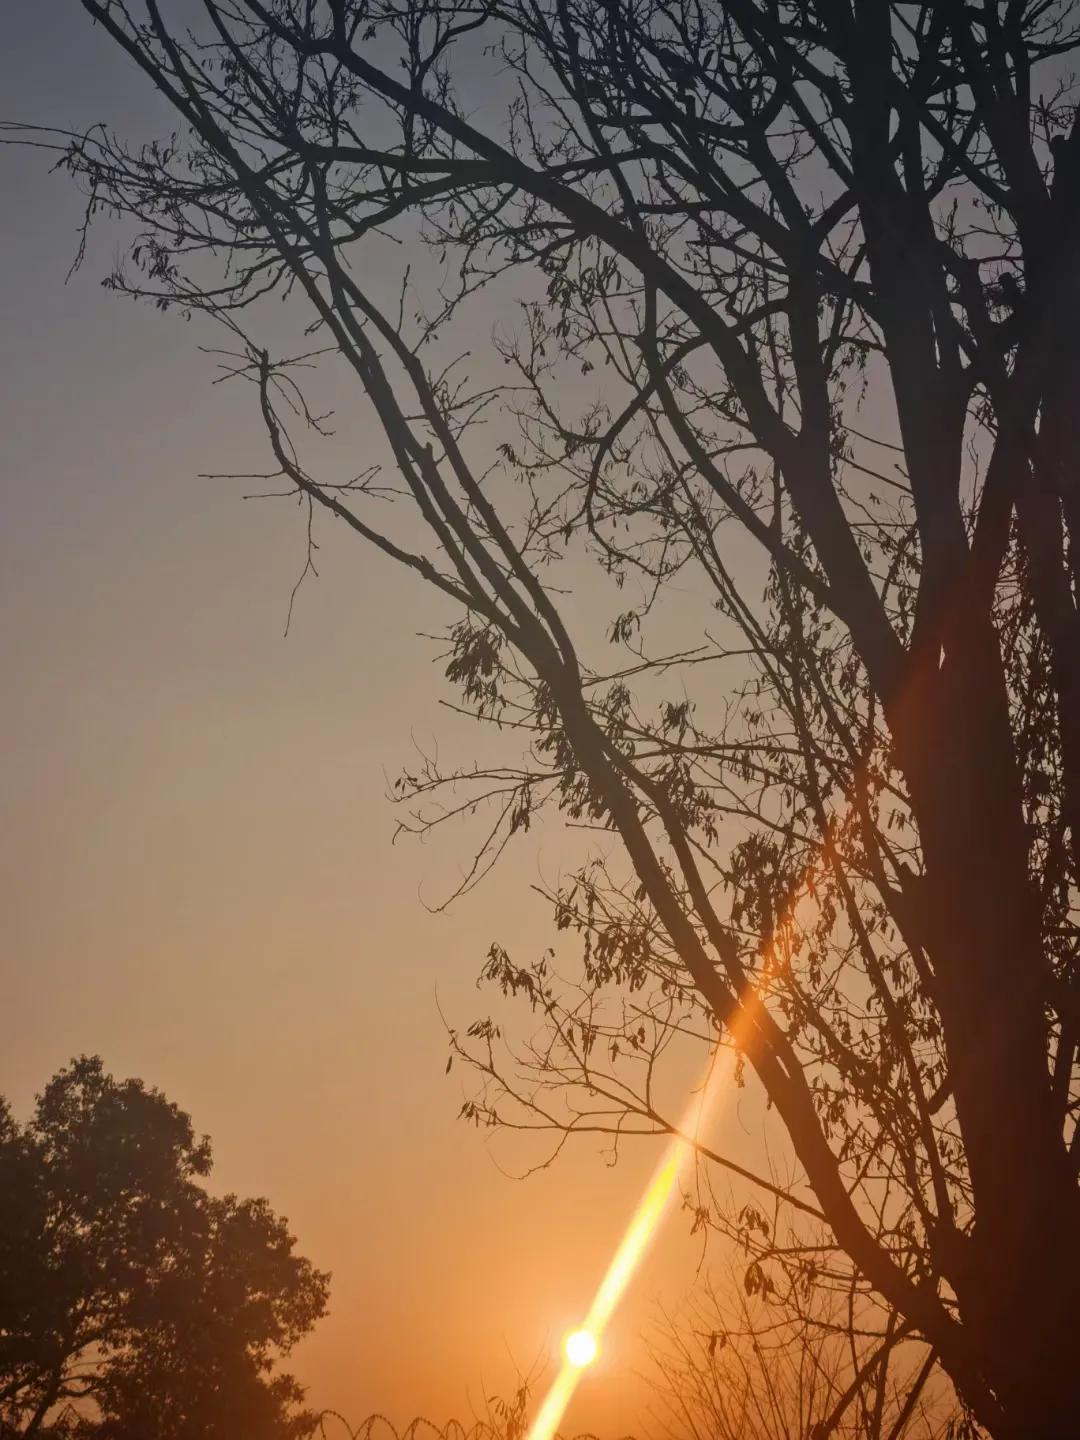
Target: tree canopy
[(133, 1303), (760, 523)]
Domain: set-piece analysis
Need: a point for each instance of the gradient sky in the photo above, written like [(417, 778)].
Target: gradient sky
[(197, 879)]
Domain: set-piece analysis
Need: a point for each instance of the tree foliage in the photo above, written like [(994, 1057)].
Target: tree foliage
[(790, 392), (132, 1302)]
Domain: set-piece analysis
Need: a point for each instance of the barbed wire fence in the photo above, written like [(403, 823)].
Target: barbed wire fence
[(508, 1425)]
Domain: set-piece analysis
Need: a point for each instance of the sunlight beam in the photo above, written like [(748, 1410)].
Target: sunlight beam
[(635, 1242)]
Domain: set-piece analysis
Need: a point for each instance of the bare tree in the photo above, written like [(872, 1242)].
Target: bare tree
[(799, 342), (739, 1367)]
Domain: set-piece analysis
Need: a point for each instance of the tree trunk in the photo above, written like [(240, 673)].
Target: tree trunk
[(1018, 1276)]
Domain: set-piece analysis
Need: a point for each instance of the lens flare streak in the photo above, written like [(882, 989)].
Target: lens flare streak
[(635, 1242)]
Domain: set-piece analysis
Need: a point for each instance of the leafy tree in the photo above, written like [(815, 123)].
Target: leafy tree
[(798, 345), (132, 1302)]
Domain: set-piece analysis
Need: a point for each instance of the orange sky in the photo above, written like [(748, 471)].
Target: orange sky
[(196, 877)]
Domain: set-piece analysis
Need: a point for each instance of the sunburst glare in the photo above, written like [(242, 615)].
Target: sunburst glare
[(581, 1348)]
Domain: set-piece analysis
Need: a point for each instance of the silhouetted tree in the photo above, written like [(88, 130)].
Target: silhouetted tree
[(799, 344), (133, 1304)]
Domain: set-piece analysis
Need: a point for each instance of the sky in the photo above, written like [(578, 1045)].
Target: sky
[(197, 874)]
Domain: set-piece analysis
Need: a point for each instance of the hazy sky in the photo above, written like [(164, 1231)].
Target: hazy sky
[(197, 878)]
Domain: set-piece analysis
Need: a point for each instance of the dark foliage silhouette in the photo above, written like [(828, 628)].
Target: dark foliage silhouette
[(133, 1304)]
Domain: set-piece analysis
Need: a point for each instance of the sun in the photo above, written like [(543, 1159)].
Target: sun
[(581, 1348)]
